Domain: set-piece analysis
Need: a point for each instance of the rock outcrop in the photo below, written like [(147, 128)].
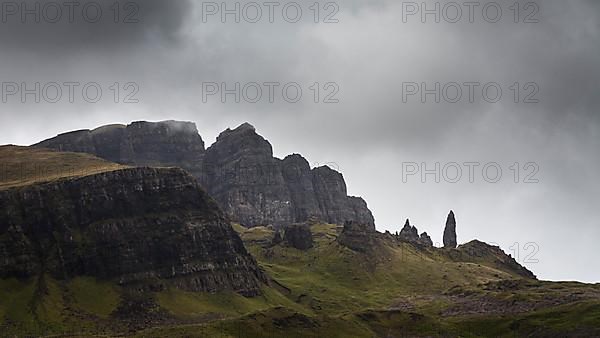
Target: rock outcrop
[(298, 236), (238, 171), (425, 240), (358, 237), (483, 253), (409, 233), (129, 225), (276, 238), (450, 231)]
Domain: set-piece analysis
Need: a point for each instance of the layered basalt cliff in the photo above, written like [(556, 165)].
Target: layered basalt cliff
[(167, 143), (247, 181), (258, 189), (130, 225), (239, 171)]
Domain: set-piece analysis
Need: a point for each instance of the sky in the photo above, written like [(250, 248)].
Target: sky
[(504, 93)]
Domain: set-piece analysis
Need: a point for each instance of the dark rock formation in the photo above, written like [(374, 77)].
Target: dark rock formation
[(299, 180), (483, 253), (258, 189), (244, 177), (357, 237), (168, 143), (298, 236), (336, 206), (359, 211), (276, 238), (450, 231), (409, 233), (128, 225), (425, 240), (238, 171)]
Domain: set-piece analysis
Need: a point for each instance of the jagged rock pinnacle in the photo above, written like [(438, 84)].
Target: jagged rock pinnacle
[(246, 126), (426, 240), (409, 233), (450, 231)]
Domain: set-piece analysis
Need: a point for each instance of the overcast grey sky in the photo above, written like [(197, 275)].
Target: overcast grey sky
[(373, 55)]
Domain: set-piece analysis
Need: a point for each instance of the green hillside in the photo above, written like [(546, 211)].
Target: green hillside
[(405, 291), (21, 166), (328, 291)]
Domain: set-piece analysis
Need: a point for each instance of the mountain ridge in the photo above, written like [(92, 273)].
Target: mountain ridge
[(239, 170)]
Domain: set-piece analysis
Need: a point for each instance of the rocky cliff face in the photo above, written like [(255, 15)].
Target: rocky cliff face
[(168, 143), (238, 170), (299, 180), (257, 189), (336, 206), (247, 181), (127, 225)]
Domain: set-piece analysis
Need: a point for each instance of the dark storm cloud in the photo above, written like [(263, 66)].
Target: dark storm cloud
[(67, 25)]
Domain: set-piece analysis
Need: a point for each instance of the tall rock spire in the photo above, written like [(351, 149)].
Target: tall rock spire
[(450, 231)]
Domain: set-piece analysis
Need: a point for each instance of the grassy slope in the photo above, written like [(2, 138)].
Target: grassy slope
[(21, 166), (345, 294), (44, 305), (329, 291), (335, 279), (413, 292)]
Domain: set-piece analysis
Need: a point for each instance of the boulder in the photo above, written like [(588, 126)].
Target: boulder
[(298, 236), (357, 237), (276, 238)]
